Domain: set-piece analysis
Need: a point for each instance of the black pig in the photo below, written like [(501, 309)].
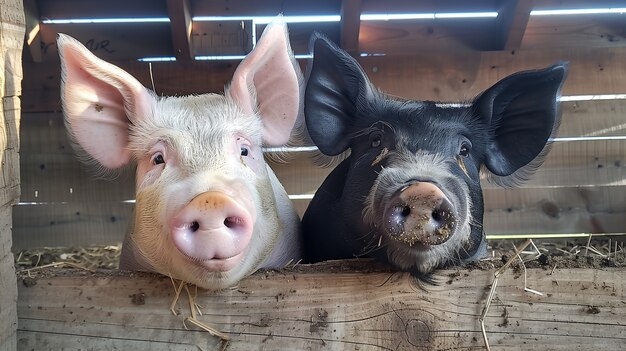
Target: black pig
[(409, 193)]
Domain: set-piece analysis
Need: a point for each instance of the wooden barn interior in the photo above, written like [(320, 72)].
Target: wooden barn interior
[(445, 50)]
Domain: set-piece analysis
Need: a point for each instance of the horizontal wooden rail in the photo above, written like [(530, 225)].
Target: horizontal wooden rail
[(337, 305)]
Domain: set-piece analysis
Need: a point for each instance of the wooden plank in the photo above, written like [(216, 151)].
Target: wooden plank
[(52, 173), (426, 76), (8, 298), (221, 38), (593, 118), (41, 81), (64, 9), (350, 25), (180, 20), (582, 163), (12, 24), (425, 6), (558, 210), (264, 8), (33, 30), (70, 224), (513, 18), (61, 178), (431, 76), (591, 31), (326, 306), (414, 36), (111, 42), (300, 34), (575, 4)]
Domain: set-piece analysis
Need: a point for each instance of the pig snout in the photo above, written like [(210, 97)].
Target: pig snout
[(213, 230), (420, 214)]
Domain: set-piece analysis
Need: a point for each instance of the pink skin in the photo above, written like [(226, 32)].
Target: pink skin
[(206, 200), (213, 230)]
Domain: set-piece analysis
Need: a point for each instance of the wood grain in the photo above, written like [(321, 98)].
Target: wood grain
[(425, 76), (78, 223), (580, 188), (327, 307), (111, 42), (592, 31), (12, 31)]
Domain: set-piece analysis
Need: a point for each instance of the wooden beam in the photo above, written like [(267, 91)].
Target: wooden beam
[(120, 41), (426, 76), (336, 305), (591, 31), (12, 30), (181, 23), (33, 30), (513, 18), (425, 6), (350, 25), (265, 8), (63, 9)]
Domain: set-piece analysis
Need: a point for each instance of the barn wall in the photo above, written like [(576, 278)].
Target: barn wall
[(11, 38), (580, 188)]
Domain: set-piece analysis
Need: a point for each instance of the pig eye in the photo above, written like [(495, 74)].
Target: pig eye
[(158, 159), (244, 151), (465, 149), (375, 140)]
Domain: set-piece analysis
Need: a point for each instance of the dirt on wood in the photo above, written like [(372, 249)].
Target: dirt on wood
[(103, 260)]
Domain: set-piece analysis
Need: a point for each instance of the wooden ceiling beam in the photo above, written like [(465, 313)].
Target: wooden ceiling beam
[(33, 30), (450, 76), (350, 25), (513, 18), (180, 20)]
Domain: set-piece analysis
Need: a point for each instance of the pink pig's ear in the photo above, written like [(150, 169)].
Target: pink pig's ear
[(99, 101), (267, 82)]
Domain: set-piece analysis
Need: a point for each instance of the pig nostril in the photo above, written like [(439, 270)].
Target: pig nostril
[(194, 226), (406, 211), (232, 222), (437, 216)]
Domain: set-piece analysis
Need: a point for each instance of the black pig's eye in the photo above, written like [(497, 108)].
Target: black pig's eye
[(465, 149), (244, 151), (158, 159), (375, 140)]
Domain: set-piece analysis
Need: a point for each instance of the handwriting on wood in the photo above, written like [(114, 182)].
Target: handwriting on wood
[(94, 45)]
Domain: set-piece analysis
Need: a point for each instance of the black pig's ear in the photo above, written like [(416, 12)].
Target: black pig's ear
[(336, 84), (522, 111)]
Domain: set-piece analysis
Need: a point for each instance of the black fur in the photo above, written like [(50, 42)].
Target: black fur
[(507, 126)]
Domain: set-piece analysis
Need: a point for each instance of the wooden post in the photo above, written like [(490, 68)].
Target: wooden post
[(11, 41)]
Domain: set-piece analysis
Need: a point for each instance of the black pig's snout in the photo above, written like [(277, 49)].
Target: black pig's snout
[(420, 214)]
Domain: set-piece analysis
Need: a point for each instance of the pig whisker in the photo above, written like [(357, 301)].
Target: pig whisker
[(366, 235), (359, 160), (369, 250), (473, 222), (372, 246), (388, 125), (363, 131)]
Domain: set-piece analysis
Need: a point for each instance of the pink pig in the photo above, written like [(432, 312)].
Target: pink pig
[(209, 210)]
